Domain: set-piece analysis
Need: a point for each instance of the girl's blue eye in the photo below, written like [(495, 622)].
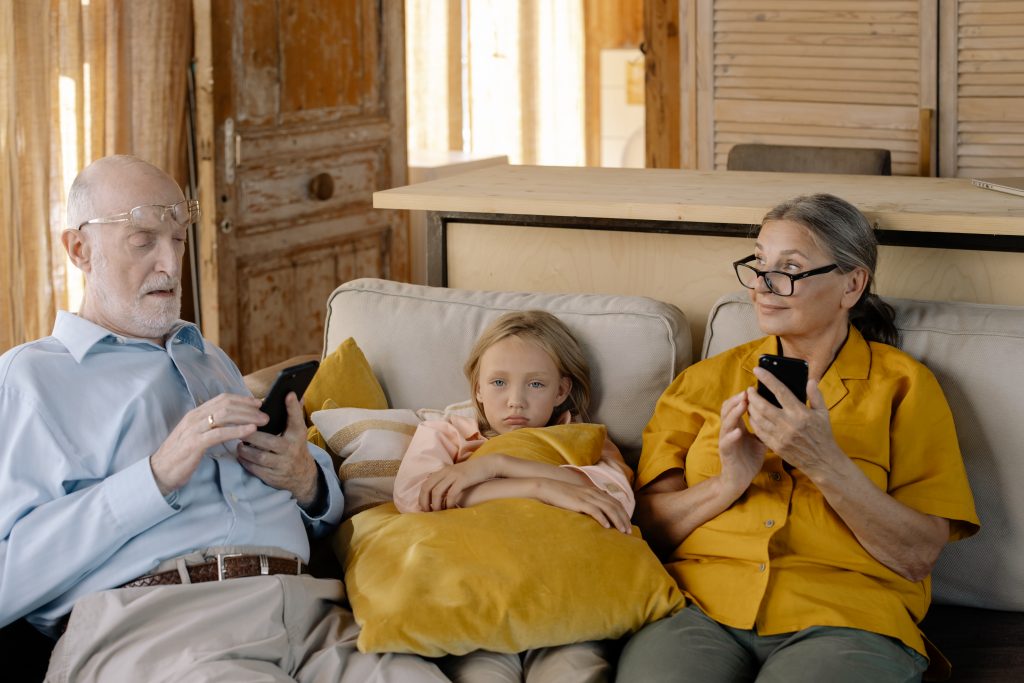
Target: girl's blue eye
[(537, 385), (498, 382)]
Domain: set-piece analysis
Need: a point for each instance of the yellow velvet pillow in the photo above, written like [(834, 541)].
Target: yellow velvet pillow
[(346, 378), (571, 444), (507, 575)]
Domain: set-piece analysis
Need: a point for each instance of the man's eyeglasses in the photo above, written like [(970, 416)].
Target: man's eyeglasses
[(775, 280), (154, 215)]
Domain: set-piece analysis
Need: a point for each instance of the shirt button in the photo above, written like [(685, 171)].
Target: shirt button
[(769, 523), (775, 476), (761, 567)]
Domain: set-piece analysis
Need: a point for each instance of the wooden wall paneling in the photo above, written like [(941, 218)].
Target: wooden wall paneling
[(983, 51), (848, 74), (928, 99), (661, 83), (607, 24), (947, 99), (705, 89), (692, 271)]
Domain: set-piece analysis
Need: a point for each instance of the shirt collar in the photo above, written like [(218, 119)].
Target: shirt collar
[(852, 362), (79, 335)]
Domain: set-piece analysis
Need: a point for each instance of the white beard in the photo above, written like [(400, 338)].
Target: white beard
[(141, 316)]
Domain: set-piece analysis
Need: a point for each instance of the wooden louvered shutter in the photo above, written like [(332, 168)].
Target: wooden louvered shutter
[(981, 96), (834, 73)]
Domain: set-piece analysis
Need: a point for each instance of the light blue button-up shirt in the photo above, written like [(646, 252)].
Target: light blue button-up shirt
[(80, 512)]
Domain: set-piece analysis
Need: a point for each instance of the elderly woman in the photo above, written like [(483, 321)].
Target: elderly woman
[(802, 534)]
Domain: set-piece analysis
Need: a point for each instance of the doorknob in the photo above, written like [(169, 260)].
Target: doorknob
[(322, 186)]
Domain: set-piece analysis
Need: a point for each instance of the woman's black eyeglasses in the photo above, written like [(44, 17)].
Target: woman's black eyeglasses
[(781, 285)]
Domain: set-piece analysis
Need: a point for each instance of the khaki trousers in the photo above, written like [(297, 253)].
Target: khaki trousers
[(262, 628)]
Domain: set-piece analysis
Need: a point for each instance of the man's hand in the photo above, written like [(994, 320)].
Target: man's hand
[(284, 461), (221, 419)]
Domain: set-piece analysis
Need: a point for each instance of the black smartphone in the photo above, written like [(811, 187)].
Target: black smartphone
[(792, 372), (294, 378)]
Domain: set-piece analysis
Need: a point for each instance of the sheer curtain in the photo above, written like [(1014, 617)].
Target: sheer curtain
[(79, 79), (507, 74)]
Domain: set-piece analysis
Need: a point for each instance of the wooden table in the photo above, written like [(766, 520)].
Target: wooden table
[(672, 234)]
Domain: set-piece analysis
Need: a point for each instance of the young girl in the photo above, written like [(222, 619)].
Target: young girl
[(525, 370)]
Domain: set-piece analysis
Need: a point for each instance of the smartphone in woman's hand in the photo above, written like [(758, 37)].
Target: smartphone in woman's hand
[(791, 371)]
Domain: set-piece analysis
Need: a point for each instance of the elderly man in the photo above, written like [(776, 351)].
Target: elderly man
[(136, 494)]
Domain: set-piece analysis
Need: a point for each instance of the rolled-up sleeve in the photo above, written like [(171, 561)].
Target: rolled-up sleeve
[(611, 475)]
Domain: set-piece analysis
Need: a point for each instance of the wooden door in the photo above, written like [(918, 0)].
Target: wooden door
[(308, 102)]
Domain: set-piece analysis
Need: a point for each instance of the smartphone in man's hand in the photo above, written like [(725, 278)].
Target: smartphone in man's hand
[(293, 378), (791, 371)]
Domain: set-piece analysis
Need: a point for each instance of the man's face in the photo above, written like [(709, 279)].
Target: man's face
[(133, 284)]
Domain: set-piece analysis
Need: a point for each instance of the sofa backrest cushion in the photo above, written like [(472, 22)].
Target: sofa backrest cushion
[(977, 353), (417, 338)]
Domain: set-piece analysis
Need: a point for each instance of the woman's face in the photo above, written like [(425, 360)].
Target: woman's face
[(820, 303)]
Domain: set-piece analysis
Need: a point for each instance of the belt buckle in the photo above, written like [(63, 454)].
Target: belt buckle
[(220, 563)]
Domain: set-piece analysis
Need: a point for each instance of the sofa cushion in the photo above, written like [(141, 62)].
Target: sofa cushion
[(417, 338), (975, 352), (368, 446)]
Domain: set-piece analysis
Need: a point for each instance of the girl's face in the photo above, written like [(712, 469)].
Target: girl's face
[(519, 385)]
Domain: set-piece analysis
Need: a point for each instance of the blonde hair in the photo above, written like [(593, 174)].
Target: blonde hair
[(554, 337)]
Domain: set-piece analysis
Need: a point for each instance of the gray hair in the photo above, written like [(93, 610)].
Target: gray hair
[(840, 229)]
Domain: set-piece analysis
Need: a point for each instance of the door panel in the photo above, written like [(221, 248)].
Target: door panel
[(309, 120)]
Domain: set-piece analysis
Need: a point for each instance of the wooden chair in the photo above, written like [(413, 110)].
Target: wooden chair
[(799, 159)]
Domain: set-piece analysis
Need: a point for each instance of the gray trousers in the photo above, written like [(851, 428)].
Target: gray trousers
[(690, 646), (575, 663), (262, 628)]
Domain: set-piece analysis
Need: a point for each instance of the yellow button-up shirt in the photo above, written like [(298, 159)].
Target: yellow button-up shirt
[(780, 559)]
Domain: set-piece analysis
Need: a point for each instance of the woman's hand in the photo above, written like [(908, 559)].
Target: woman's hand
[(443, 488), (801, 436), (741, 453)]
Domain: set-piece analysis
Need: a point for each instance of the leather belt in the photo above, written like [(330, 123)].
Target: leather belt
[(222, 567)]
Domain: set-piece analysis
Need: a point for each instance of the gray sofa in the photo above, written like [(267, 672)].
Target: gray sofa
[(416, 339)]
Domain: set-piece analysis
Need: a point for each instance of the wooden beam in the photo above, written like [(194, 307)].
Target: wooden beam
[(662, 83)]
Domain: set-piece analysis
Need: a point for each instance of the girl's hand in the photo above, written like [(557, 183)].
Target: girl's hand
[(585, 499), (442, 489), (742, 454), (801, 436)]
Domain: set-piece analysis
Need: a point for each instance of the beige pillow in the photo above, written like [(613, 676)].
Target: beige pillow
[(368, 446)]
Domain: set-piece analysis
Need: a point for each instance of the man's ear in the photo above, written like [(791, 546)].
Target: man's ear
[(76, 243)]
